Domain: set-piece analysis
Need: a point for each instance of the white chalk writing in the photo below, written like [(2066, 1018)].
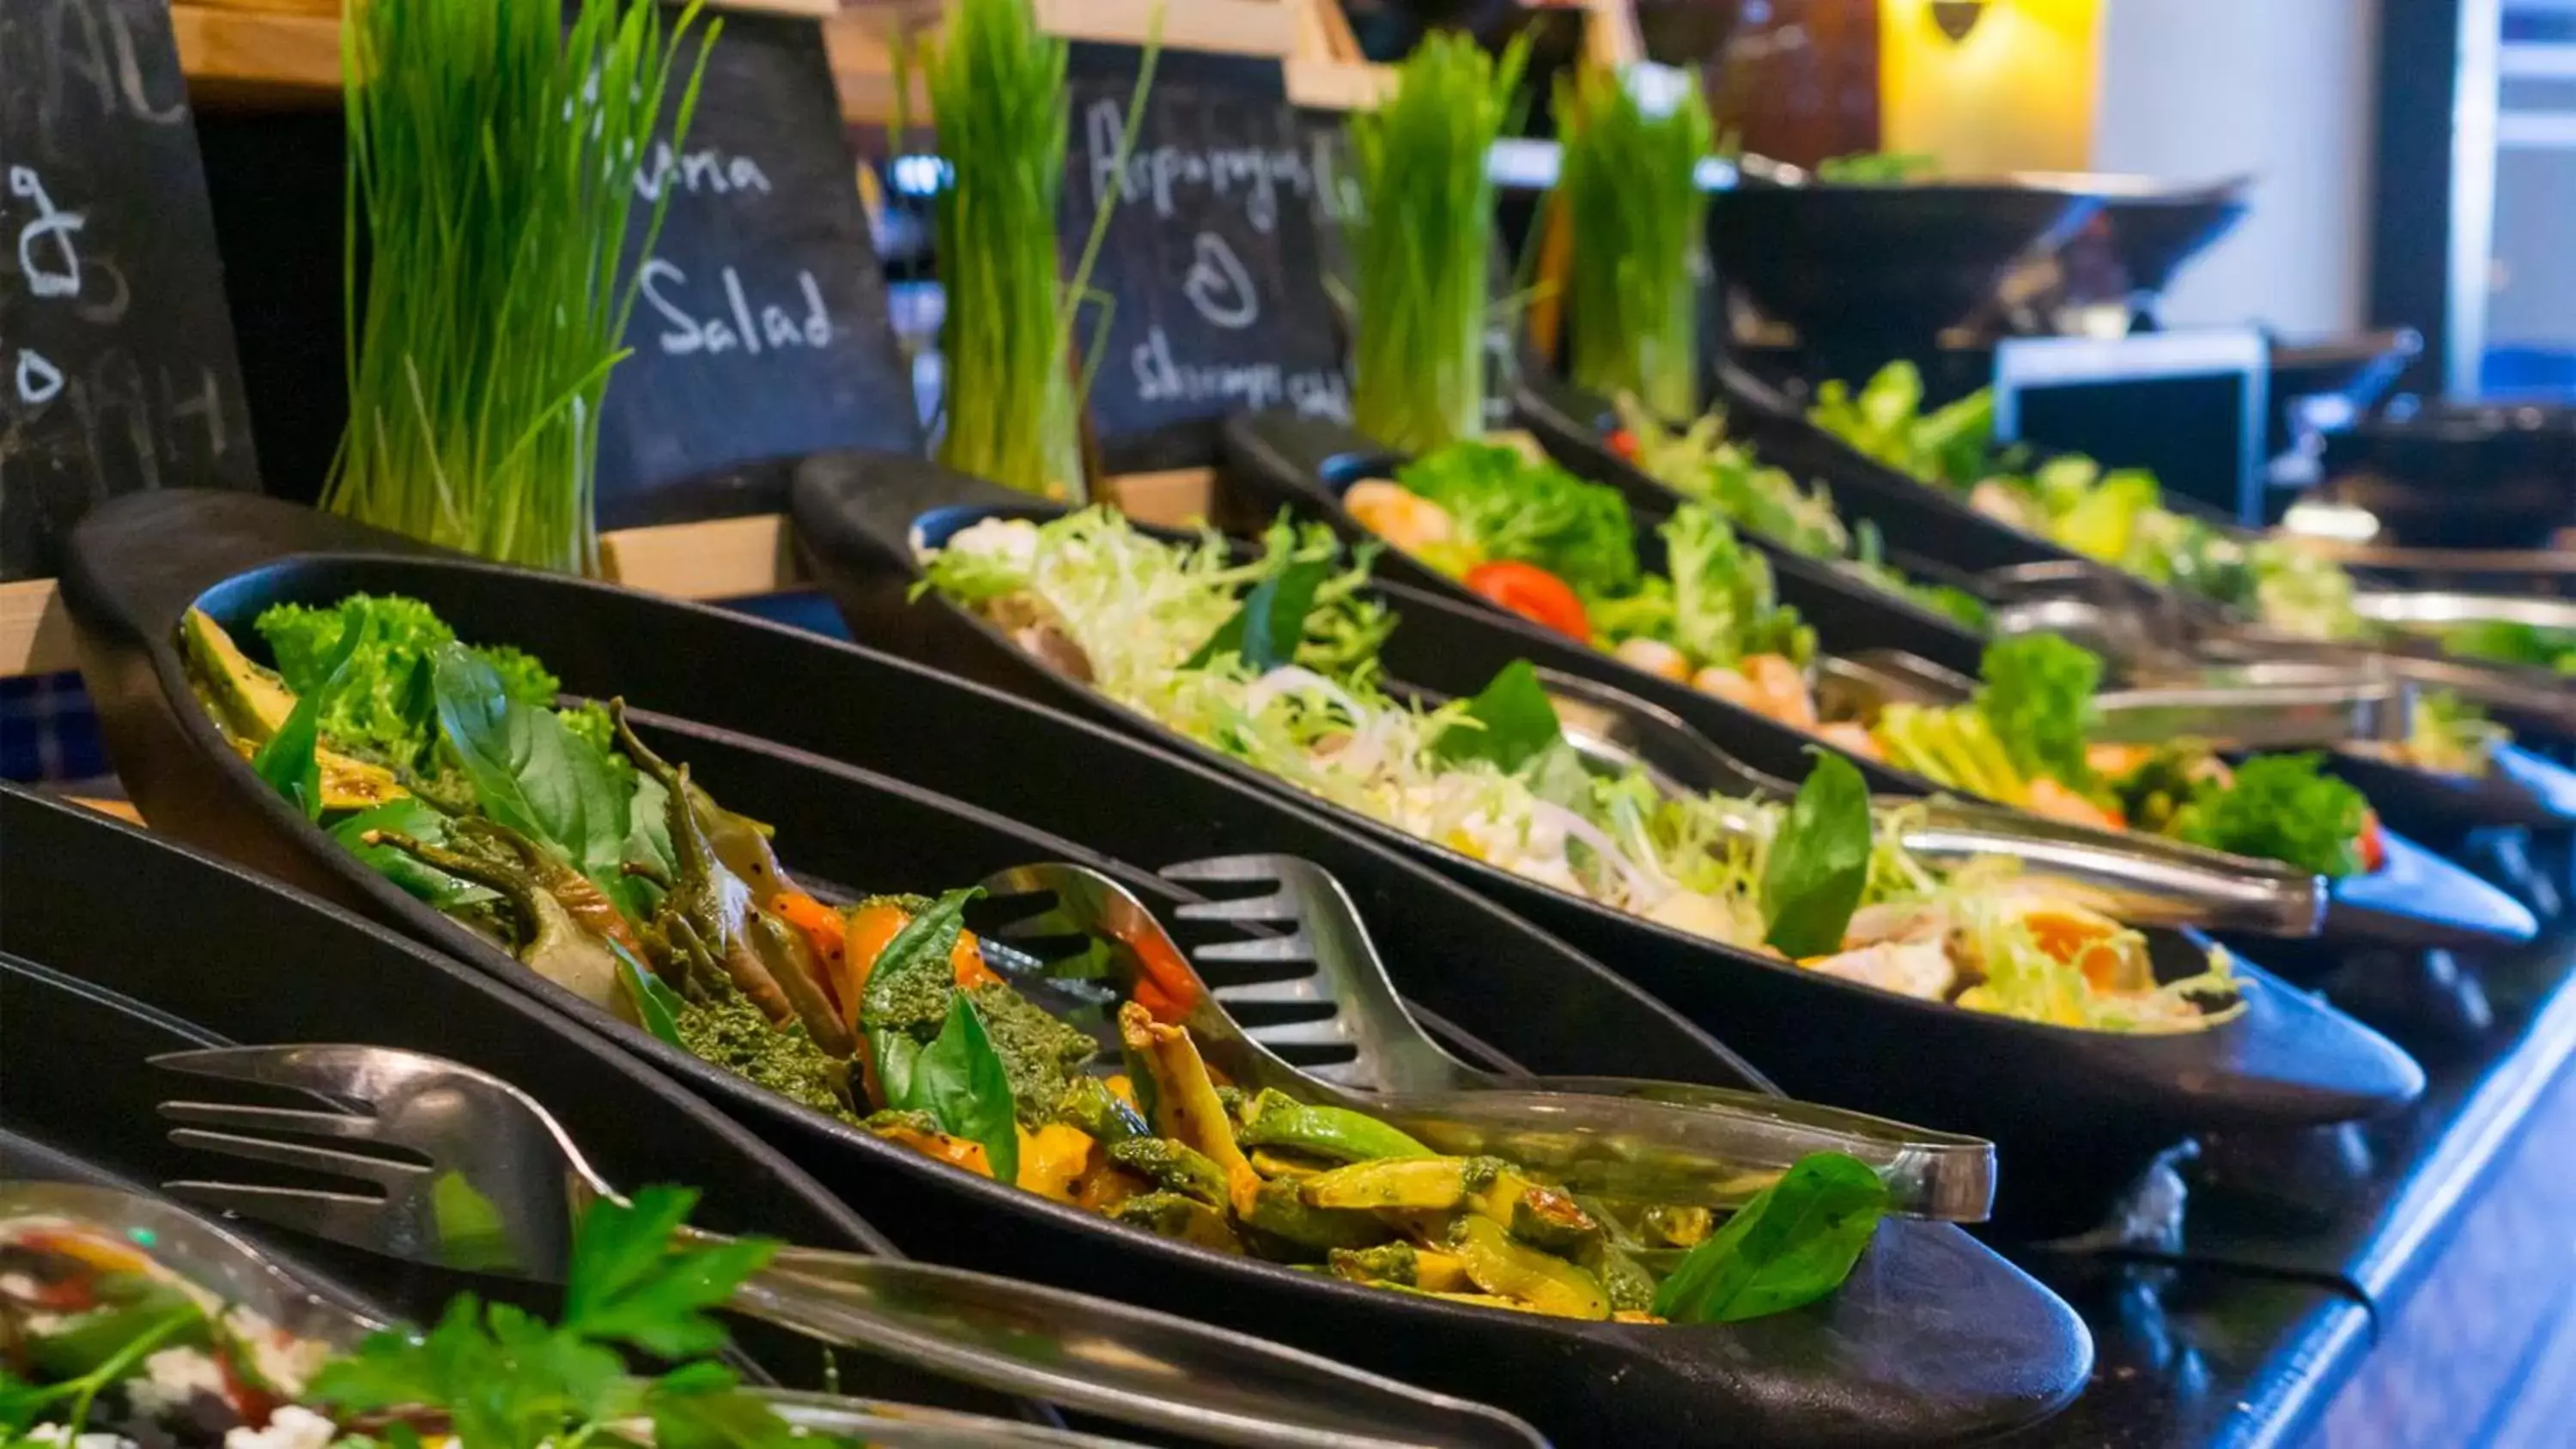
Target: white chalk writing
[(1253, 174), (739, 327), (1313, 392)]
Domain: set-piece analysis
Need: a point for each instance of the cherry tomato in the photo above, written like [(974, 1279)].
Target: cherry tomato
[(1534, 594), (2374, 849), (1623, 443)]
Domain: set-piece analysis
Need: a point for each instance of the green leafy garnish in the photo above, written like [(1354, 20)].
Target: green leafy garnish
[(1509, 723), (909, 986), (411, 816), (289, 762), (1819, 862), (656, 1005), (532, 773), (1508, 505), (1795, 1242), (2280, 807), (387, 709), (959, 1079), (1268, 630), (506, 1380), (2038, 697)]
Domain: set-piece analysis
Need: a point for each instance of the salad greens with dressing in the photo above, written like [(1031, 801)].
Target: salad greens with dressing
[(1711, 620), (1700, 464), (610, 872), (1273, 661)]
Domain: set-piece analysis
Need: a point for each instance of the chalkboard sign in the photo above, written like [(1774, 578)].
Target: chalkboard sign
[(1212, 258), (117, 370), (761, 330)]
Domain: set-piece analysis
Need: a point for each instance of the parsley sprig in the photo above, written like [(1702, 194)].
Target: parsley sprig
[(504, 1379)]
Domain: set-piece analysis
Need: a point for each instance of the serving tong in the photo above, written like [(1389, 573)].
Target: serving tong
[(2265, 706), (212, 1257), (481, 1135), (1651, 1141), (2143, 880), (2156, 636)]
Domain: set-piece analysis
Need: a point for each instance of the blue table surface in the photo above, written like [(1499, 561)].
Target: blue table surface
[(2407, 1282)]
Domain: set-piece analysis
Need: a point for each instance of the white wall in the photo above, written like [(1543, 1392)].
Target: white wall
[(2200, 89)]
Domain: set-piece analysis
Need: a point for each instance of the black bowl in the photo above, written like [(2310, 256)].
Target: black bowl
[(2148, 230), (1895, 264), (2081, 1110), (130, 944), (1275, 460), (1852, 1371)]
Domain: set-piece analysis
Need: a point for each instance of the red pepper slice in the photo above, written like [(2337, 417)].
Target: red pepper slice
[(1534, 594)]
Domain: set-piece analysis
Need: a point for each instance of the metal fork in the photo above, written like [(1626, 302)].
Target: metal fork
[(1651, 1141), (504, 1185), (206, 1254)]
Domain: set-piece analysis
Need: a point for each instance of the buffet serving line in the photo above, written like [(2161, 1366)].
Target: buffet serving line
[(1343, 872)]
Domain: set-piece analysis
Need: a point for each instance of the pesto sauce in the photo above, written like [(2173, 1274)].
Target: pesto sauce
[(1039, 1053), (733, 1034)]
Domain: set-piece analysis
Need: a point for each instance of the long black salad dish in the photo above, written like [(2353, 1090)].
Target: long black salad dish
[(1933, 1338), (1926, 523), (2523, 789), (1274, 460), (124, 943), (2081, 1110)]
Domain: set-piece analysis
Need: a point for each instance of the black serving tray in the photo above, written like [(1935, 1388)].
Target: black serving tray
[(2081, 1111), (2525, 790), (1925, 523), (1275, 460), (1934, 1338), (118, 945)]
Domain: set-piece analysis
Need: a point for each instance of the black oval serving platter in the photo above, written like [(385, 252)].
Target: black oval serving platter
[(119, 944), (2082, 1111), (1935, 523), (2524, 789), (1276, 460), (1934, 1338)]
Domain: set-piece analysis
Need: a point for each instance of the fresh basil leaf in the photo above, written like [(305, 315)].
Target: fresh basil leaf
[(407, 815), (1512, 722), (288, 763), (1270, 625), (1819, 861), (921, 946), (291, 762), (1557, 775), (960, 1081), (529, 771), (1795, 1242), (656, 1004), (894, 1053)]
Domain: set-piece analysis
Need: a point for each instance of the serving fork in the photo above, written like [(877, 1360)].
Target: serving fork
[(503, 1185), (208, 1254), (1654, 1141)]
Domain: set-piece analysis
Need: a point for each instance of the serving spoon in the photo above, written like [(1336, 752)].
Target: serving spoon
[(1651, 1141)]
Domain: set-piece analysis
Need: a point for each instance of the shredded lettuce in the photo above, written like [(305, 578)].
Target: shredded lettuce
[(1141, 609)]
